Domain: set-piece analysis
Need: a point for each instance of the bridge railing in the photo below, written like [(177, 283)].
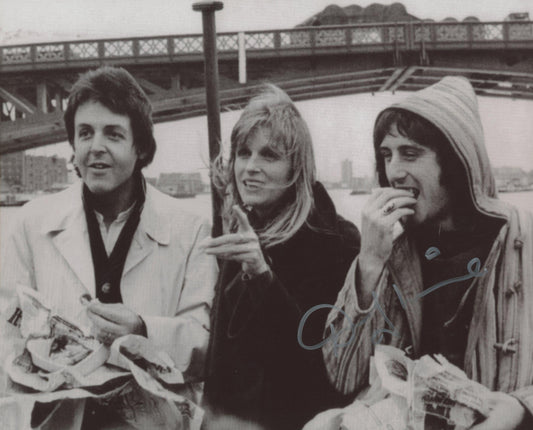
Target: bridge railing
[(405, 35)]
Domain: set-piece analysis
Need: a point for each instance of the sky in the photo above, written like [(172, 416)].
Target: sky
[(118, 18), (341, 128), (343, 123)]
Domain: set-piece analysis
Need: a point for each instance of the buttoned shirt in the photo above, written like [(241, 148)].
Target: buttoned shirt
[(111, 233)]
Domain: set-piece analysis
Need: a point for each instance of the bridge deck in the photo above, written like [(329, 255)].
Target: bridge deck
[(308, 62), (290, 42)]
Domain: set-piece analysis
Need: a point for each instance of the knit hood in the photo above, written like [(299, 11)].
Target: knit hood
[(451, 105)]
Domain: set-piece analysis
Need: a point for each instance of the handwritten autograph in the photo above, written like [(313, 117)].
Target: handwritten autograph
[(473, 269)]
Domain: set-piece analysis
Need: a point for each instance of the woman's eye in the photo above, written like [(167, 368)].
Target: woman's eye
[(271, 155), (411, 155), (243, 152)]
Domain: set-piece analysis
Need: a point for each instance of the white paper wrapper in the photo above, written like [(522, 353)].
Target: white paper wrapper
[(404, 394), (141, 383), (387, 414)]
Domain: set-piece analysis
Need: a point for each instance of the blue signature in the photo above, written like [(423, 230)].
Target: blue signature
[(474, 271)]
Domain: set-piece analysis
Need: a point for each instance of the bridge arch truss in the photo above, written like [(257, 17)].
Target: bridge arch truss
[(308, 62)]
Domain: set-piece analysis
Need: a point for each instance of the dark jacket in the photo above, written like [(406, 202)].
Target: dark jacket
[(257, 370)]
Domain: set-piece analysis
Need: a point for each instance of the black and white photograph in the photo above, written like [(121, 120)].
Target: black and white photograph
[(266, 215)]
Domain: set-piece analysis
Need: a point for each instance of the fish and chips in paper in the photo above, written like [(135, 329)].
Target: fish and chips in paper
[(425, 394), (63, 360)]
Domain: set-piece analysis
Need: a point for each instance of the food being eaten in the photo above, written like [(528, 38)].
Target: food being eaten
[(66, 350), (157, 364), (69, 345), (414, 191)]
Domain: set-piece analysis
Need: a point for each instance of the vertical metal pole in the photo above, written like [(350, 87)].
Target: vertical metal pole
[(42, 97), (242, 58), (208, 9)]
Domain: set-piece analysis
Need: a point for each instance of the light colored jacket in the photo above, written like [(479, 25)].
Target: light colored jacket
[(166, 279), (499, 351)]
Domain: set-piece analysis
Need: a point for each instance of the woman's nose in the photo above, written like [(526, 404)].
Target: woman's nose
[(253, 165)]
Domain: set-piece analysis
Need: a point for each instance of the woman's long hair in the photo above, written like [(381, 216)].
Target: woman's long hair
[(274, 112)]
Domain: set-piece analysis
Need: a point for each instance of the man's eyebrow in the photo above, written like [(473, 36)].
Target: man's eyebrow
[(115, 126), (416, 147), (105, 126)]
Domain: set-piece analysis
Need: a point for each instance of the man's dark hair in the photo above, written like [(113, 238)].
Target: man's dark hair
[(118, 91), (418, 129)]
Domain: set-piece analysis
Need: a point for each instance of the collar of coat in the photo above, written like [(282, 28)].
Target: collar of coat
[(68, 209), (324, 214)]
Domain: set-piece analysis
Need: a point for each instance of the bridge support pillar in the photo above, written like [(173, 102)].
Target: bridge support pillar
[(175, 82), (42, 97), (242, 58), (59, 101)]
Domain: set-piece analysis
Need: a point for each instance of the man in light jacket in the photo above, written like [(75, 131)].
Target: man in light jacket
[(445, 267), (114, 238)]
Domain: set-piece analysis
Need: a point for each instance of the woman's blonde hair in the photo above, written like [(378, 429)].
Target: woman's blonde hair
[(273, 111)]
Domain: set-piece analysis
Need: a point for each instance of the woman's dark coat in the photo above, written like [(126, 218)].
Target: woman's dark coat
[(256, 368)]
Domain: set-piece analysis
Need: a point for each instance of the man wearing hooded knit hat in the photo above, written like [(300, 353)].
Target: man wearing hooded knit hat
[(435, 219)]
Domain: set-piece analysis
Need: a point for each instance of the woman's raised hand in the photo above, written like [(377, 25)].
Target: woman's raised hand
[(242, 246)]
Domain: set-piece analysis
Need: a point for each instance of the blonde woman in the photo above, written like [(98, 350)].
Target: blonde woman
[(285, 250)]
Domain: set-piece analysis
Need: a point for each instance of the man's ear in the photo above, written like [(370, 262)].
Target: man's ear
[(142, 155)]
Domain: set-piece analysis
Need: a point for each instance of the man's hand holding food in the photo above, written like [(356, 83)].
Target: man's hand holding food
[(506, 413), (384, 208), (113, 320)]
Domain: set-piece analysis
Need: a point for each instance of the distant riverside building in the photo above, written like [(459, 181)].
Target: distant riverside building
[(346, 173), (45, 173), (4, 187), (511, 178), (36, 176), (362, 183), (30, 173), (509, 173), (58, 173), (151, 181), (12, 171), (180, 184)]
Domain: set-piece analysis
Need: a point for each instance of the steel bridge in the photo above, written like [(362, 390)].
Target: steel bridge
[(308, 62)]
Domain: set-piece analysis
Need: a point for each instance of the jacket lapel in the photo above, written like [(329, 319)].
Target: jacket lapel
[(141, 247), (69, 235), (153, 229)]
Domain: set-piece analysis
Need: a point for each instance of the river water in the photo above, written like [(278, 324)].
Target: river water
[(347, 205)]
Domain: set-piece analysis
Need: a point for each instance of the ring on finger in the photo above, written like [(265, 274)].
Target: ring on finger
[(107, 338), (389, 209)]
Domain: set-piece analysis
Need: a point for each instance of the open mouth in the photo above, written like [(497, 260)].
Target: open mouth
[(252, 184), (99, 166), (414, 191)]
